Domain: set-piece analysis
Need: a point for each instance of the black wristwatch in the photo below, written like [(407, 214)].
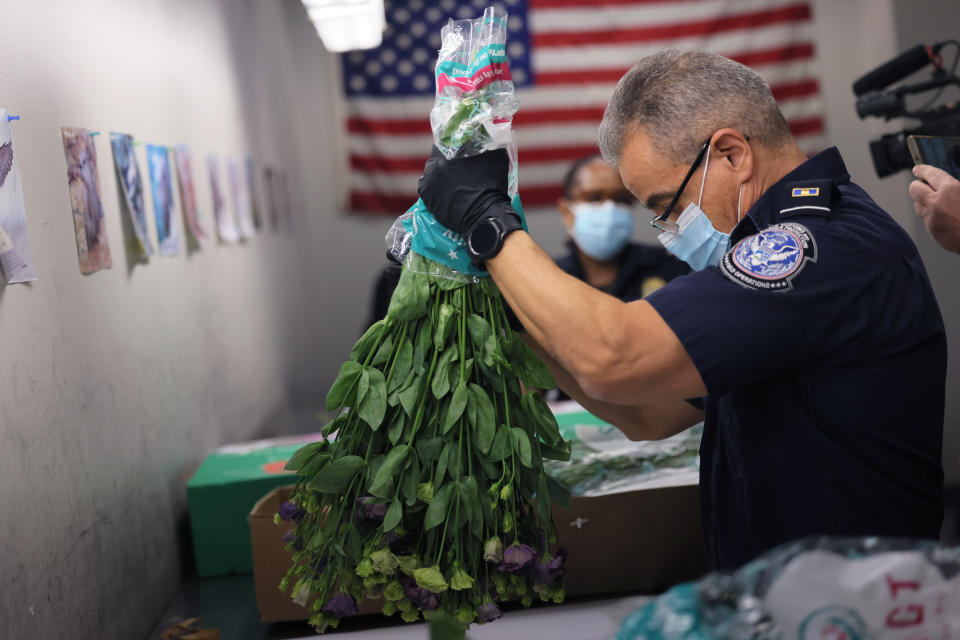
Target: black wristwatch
[(485, 239)]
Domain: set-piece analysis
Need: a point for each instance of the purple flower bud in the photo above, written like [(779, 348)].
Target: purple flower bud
[(400, 545), (341, 605), (488, 612), (546, 572), (418, 595), (291, 536), (367, 509), (290, 511), (516, 557), (319, 566)]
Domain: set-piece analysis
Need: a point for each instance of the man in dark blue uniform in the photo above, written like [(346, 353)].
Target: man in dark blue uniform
[(808, 334)]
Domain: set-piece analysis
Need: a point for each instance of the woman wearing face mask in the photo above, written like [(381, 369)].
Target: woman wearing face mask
[(598, 212)]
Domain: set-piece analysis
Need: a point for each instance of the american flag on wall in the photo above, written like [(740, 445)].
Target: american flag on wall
[(565, 58)]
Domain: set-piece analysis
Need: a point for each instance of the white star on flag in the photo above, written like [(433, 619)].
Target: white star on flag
[(453, 254)]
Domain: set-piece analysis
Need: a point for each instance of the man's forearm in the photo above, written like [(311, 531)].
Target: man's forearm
[(637, 422), (561, 313)]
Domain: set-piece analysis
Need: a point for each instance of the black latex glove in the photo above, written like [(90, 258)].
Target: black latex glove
[(461, 192)]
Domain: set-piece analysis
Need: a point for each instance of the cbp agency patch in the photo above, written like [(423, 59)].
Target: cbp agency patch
[(771, 259)]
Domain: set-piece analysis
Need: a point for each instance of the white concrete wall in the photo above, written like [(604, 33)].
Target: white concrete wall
[(114, 386)]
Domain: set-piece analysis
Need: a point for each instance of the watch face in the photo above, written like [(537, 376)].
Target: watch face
[(483, 238)]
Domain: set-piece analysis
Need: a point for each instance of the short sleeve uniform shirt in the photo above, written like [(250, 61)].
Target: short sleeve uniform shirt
[(823, 352)]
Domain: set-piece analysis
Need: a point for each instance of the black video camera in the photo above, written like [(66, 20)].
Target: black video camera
[(890, 152)]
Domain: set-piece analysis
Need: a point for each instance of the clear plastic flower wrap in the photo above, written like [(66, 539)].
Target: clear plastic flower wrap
[(473, 112), (839, 588)]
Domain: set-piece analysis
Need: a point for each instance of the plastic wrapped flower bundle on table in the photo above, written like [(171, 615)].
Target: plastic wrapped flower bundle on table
[(424, 494), (882, 588)]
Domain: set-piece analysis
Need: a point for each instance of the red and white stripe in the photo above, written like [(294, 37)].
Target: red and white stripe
[(581, 49)]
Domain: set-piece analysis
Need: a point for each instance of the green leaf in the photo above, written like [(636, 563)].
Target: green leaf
[(437, 511), (393, 516), (491, 349), (411, 296), (549, 452), (440, 385), (543, 419), (363, 384), (502, 445), (442, 463), (368, 339), (335, 476), (533, 372), (402, 373), (486, 421), (521, 444), (372, 405), (491, 469), (411, 478), (354, 548), (408, 397), (444, 325), (455, 462), (456, 376), (309, 469), (303, 455), (457, 404), (543, 498), (333, 425), (479, 330), (470, 496), (382, 484), (383, 353), (559, 493), (429, 448), (420, 348), (395, 431), (338, 395)]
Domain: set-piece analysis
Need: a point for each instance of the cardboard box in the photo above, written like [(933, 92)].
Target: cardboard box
[(221, 493), (647, 540)]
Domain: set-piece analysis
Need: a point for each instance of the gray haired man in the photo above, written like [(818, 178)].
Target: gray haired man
[(823, 406)]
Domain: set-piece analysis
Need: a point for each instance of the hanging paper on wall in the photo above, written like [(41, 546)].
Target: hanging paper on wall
[(269, 181), (188, 196), (15, 261), (241, 197), (226, 226), (254, 193), (93, 249), (168, 239), (131, 186)]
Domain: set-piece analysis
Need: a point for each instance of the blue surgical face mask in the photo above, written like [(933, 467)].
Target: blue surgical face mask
[(601, 229), (697, 242)]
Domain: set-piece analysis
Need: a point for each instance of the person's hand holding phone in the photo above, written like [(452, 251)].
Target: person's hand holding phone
[(936, 199)]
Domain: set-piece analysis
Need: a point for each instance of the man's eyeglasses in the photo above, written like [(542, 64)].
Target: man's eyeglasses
[(661, 222)]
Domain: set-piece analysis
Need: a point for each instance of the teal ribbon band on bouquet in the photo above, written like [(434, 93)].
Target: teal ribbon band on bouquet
[(432, 240)]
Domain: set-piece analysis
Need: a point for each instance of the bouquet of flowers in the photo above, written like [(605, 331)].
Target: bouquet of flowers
[(432, 494)]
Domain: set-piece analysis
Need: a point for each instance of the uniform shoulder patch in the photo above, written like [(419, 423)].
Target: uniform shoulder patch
[(771, 259)]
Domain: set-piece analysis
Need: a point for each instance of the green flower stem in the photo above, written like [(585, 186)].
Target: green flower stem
[(421, 403), (396, 352), (446, 522)]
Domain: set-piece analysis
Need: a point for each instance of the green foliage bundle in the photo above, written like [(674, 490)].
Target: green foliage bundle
[(432, 495)]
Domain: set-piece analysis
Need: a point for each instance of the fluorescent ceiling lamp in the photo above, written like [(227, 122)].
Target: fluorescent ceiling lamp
[(348, 25)]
